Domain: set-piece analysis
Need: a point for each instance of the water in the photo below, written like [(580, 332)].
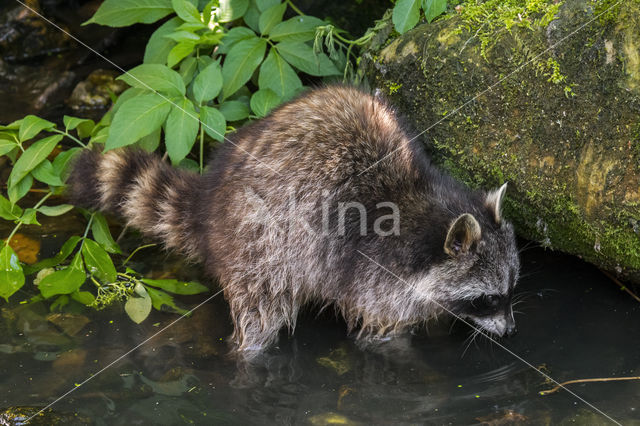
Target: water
[(575, 323)]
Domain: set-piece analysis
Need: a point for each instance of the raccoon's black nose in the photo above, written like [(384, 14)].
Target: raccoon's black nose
[(511, 330)]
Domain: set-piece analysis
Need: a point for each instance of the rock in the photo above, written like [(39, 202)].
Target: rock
[(16, 416), (546, 100), (95, 91), (70, 324)]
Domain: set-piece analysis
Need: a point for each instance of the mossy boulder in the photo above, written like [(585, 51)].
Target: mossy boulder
[(541, 94)]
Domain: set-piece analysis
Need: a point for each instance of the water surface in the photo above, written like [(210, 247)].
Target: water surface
[(575, 323)]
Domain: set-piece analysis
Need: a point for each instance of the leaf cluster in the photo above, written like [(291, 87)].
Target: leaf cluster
[(201, 66), (406, 13)]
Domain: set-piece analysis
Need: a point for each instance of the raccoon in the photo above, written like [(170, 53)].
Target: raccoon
[(326, 201)]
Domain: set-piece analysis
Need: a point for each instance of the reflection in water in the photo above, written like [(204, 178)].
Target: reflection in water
[(575, 324)]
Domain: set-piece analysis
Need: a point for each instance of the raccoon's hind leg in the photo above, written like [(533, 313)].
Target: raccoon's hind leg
[(257, 318)]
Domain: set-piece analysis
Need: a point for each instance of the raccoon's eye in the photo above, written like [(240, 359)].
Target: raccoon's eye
[(492, 300), (485, 305)]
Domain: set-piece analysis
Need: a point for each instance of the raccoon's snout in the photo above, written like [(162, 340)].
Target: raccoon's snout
[(501, 325)]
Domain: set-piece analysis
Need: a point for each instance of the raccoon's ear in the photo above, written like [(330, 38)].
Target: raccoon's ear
[(463, 234), (494, 202)]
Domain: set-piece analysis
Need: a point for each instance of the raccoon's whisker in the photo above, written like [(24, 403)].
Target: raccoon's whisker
[(469, 340), (530, 245), (455, 319)]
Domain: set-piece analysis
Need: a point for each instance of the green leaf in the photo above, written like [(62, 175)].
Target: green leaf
[(11, 126), (29, 217), (177, 287), (302, 56), (62, 162), (136, 118), (192, 26), (83, 297), (189, 164), (252, 16), (208, 83), (33, 156), (271, 17), (101, 136), (433, 8), (64, 252), (155, 77), (98, 262), (31, 126), (263, 101), (45, 173), (181, 130), (84, 125), (186, 10), (20, 189), (179, 52), (138, 308), (266, 4), (9, 211), (122, 13), (130, 93), (158, 47), (7, 144), (299, 28), (160, 298), (180, 36), (11, 275), (55, 210), (240, 64), (276, 74), (213, 122), (151, 142), (65, 281), (102, 234), (406, 14), (231, 10), (235, 35), (203, 62), (234, 110), (188, 69)]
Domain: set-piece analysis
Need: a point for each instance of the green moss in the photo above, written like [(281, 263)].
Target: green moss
[(606, 10), (394, 87), (486, 19)]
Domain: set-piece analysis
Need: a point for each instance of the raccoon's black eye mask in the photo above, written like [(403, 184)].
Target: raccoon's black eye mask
[(482, 306)]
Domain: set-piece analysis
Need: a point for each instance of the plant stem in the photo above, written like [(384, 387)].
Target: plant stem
[(86, 231), (73, 138), (19, 224), (135, 251), (295, 8)]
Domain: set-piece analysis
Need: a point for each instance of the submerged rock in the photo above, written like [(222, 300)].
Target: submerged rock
[(17, 416), (547, 100)]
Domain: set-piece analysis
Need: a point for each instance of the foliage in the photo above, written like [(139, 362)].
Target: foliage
[(206, 71), (406, 13)]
